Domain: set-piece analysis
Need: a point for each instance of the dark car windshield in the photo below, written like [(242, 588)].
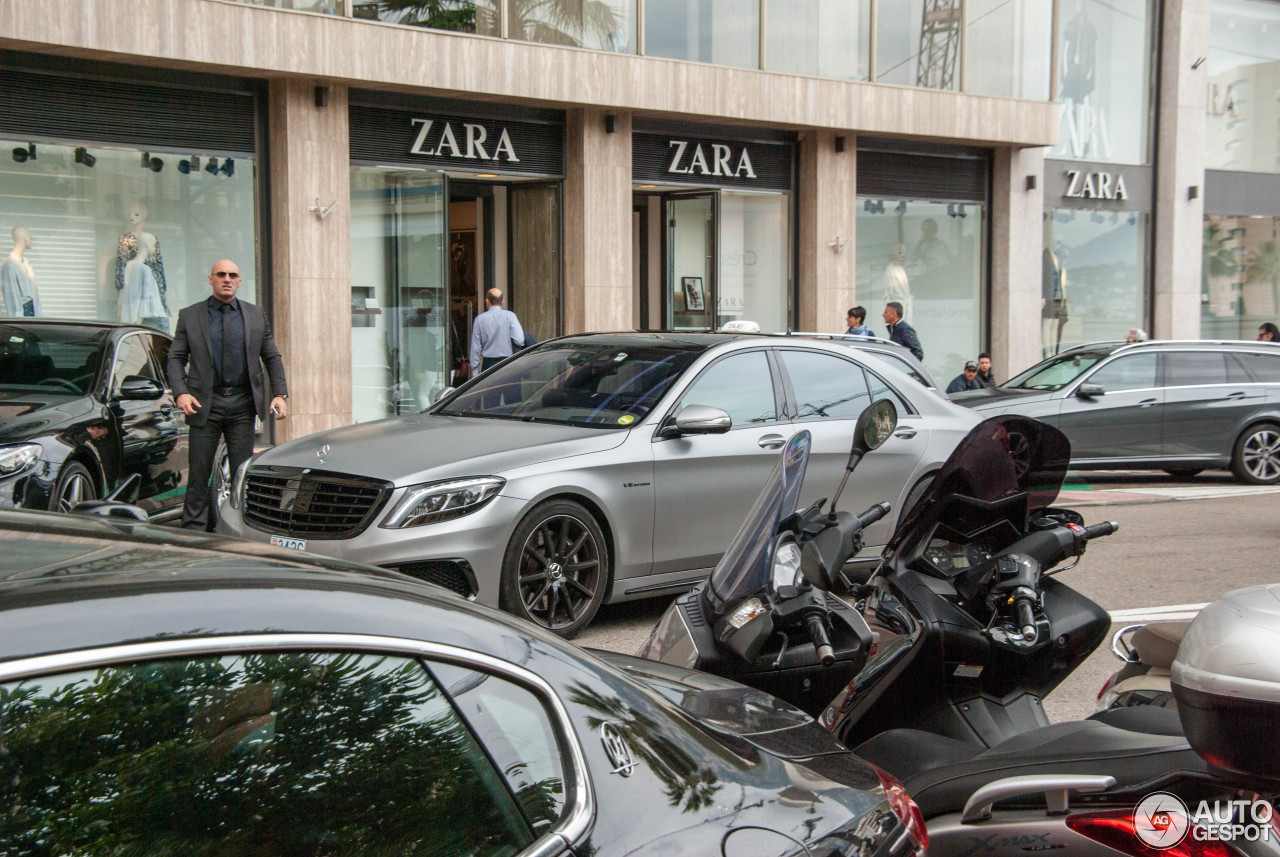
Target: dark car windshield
[(1057, 372), (53, 358), (603, 384)]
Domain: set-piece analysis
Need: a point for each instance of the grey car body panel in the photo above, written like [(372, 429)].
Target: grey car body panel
[(394, 449), (666, 519), (1164, 426)]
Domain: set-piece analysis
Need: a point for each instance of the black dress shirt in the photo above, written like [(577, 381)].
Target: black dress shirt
[(228, 376)]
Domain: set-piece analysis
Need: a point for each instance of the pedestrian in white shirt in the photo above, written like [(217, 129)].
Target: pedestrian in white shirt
[(495, 335)]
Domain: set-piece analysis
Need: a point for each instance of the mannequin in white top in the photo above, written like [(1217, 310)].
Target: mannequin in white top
[(18, 278), (140, 298)]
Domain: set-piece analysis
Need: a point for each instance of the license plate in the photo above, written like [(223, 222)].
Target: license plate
[(291, 544)]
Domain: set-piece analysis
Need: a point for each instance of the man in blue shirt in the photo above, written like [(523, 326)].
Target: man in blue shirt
[(901, 332), (495, 335), (857, 315), (966, 380)]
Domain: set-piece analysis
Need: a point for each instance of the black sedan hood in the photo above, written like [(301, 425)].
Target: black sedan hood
[(992, 397), (24, 414)]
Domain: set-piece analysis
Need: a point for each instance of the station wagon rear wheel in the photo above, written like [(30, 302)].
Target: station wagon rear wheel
[(1257, 455), (556, 568)]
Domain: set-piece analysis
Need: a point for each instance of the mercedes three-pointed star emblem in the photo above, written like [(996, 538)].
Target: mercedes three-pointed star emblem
[(323, 453)]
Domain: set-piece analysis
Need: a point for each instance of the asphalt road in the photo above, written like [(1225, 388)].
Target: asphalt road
[(1180, 543)]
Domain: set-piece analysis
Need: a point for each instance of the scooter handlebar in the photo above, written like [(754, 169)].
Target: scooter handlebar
[(875, 513), (821, 642), (1106, 528), (1026, 619)]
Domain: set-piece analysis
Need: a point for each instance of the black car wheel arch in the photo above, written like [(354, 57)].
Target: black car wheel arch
[(556, 570), (1256, 456)]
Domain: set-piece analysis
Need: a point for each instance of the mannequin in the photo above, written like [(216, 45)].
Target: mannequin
[(140, 298), (128, 249), (896, 286), (18, 279)]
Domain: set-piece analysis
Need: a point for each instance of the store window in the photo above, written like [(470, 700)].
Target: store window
[(1093, 277), (1104, 81), (822, 38), (326, 7), (918, 48), (1240, 276), (462, 16), (927, 256), (1241, 131), (120, 234), (400, 319), (600, 25), (1008, 48), (723, 32), (755, 263)]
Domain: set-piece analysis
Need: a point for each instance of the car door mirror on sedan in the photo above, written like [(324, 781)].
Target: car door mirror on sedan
[(701, 419), (135, 388), (1088, 391)]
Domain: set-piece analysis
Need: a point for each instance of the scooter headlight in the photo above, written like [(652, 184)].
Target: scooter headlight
[(786, 563), (744, 613)]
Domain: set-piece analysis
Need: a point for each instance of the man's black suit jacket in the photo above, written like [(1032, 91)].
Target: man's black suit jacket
[(190, 367)]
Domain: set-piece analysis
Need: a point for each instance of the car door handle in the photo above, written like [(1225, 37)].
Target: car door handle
[(1146, 403), (1238, 394), (905, 432), (772, 441)]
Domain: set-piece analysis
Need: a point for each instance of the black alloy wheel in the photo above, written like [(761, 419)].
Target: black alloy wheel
[(556, 568), (1256, 460), (75, 485)]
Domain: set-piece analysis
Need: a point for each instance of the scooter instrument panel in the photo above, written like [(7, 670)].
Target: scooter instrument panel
[(951, 557)]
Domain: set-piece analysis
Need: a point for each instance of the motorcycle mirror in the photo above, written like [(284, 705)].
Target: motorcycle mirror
[(875, 425)]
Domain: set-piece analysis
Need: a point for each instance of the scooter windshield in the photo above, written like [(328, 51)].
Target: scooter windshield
[(999, 459), (746, 565)]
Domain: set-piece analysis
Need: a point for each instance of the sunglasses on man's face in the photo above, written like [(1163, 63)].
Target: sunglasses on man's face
[(229, 274)]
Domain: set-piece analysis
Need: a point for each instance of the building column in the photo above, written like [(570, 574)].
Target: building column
[(1180, 140), (1016, 246), (310, 254), (826, 249), (597, 222)]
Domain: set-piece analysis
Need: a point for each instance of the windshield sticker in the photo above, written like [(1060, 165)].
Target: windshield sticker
[(626, 419)]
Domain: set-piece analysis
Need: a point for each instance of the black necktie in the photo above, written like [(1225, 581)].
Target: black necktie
[(228, 353)]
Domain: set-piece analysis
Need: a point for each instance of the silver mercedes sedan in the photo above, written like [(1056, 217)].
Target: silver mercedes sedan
[(592, 468)]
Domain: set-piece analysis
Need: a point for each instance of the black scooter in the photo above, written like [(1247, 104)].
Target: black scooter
[(934, 669)]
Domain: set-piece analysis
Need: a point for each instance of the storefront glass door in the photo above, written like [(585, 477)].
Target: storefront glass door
[(399, 291), (691, 254)]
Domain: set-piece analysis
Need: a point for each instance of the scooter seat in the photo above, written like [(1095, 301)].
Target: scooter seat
[(941, 773)]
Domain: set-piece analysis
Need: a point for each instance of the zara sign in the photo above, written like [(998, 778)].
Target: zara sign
[(1095, 185)]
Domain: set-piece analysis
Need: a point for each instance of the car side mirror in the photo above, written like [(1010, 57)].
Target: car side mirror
[(440, 395), (1088, 391), (702, 419), (135, 388)]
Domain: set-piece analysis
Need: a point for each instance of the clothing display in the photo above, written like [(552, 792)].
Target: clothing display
[(140, 299), (126, 250), (18, 283)]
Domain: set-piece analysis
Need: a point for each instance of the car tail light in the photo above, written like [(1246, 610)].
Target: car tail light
[(1106, 685), (905, 809), (1116, 830)]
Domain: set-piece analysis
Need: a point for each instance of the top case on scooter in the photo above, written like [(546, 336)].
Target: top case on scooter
[(1226, 679)]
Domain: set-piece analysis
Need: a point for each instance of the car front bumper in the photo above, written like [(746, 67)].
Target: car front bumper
[(467, 549)]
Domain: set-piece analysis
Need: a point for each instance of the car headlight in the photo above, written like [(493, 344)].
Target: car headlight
[(236, 497), (15, 459), (443, 501)]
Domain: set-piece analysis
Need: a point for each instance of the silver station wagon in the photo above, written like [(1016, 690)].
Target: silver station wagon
[(592, 468)]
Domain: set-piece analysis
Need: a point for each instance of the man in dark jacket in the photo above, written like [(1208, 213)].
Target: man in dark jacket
[(966, 380), (901, 332), (986, 377)]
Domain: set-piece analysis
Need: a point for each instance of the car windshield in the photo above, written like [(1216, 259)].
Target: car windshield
[(51, 358), (600, 384), (1057, 372)]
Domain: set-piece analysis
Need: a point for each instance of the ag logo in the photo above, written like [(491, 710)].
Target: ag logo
[(1161, 820), (615, 747)]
